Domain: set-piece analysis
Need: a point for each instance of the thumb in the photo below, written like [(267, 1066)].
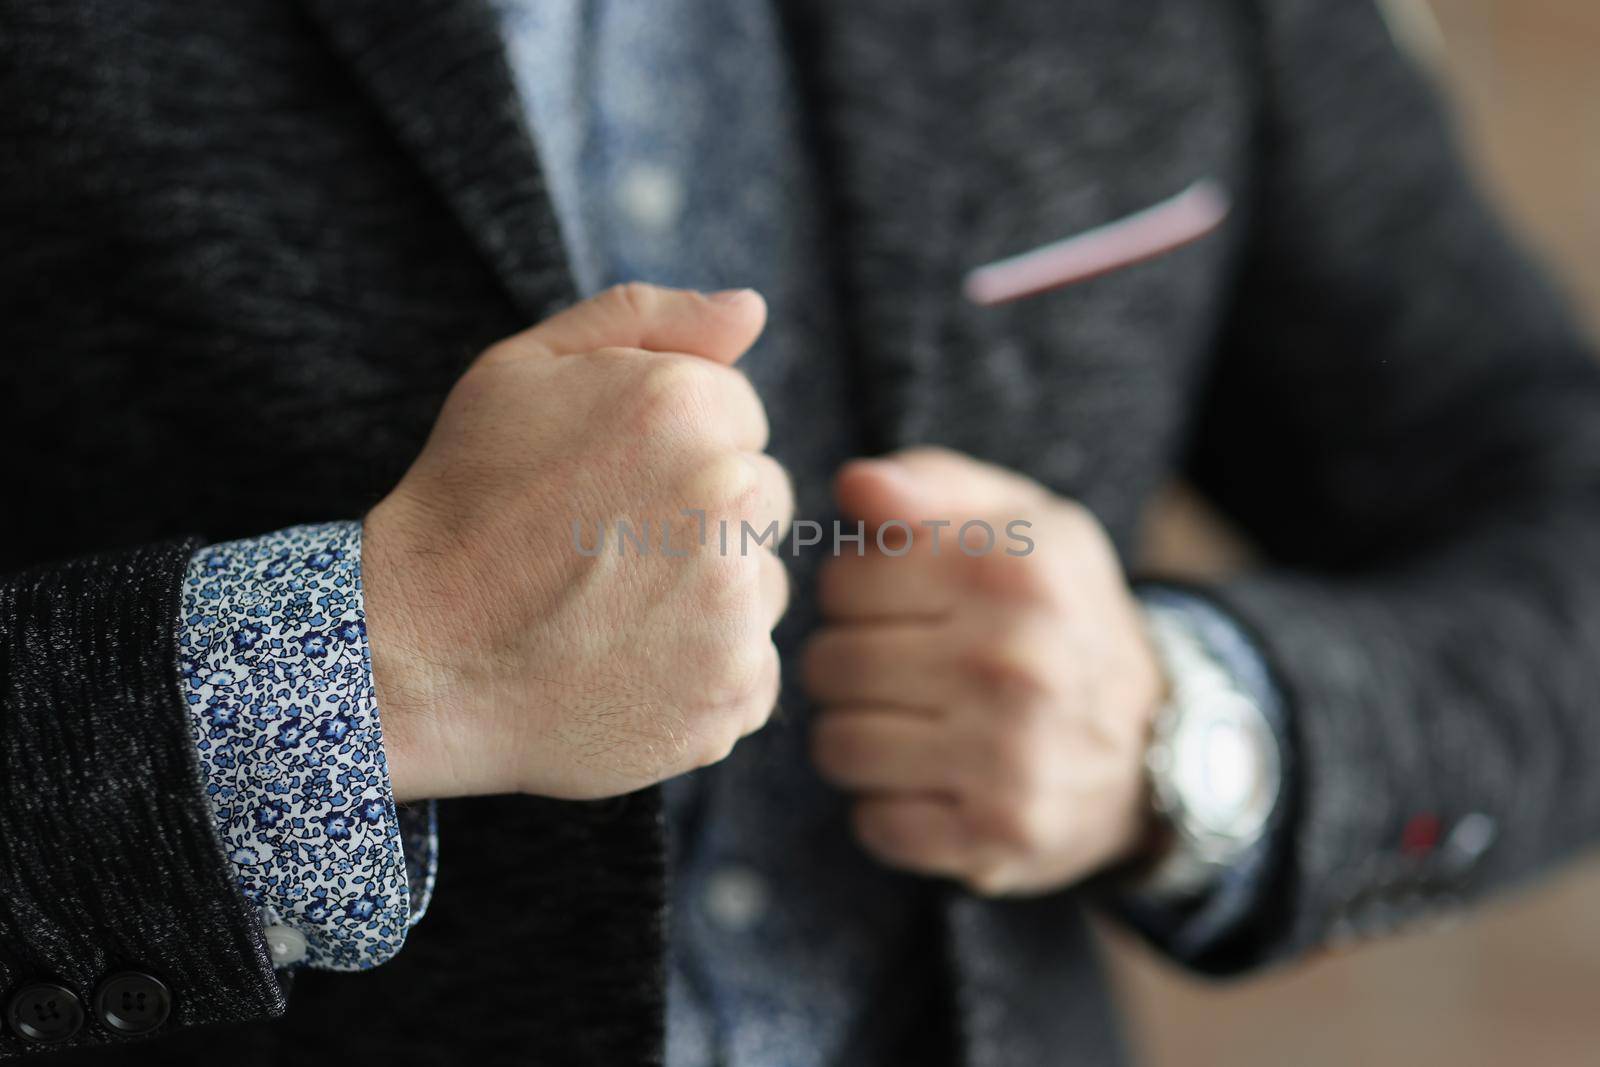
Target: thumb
[(928, 483), (715, 326)]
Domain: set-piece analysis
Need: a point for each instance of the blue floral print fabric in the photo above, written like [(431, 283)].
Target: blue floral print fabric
[(277, 675)]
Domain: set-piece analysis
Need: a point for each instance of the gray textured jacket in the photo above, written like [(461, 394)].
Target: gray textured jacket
[(331, 205)]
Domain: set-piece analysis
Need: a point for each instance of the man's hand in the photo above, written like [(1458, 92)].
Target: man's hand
[(991, 711), (505, 658)]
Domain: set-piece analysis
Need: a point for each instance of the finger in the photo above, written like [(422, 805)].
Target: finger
[(736, 406), (881, 750), (774, 588), (777, 500), (900, 665), (770, 686), (925, 835), (752, 499), (718, 326), (876, 586), (925, 484)]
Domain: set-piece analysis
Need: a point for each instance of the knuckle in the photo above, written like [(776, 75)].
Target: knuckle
[(780, 583), (669, 395), (1006, 577), (989, 880), (768, 686), (1018, 825), (1028, 718), (765, 703), (824, 746), (725, 485), (816, 662), (1084, 540), (1015, 749), (833, 580), (758, 409), (729, 582), (841, 579), (635, 299), (877, 828), (738, 677), (777, 481), (1076, 518), (835, 746), (1012, 756), (1004, 671), (616, 358)]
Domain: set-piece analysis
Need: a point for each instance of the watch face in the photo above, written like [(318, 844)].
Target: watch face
[(1224, 767)]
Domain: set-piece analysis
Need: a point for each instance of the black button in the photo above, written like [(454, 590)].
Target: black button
[(132, 1002), (45, 1013)]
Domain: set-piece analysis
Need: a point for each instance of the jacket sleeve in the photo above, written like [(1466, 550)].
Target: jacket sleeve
[(1407, 421), (110, 863)]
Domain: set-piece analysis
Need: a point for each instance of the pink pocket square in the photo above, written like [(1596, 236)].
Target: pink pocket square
[(1171, 224)]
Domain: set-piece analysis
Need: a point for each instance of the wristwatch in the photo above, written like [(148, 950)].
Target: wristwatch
[(1213, 764)]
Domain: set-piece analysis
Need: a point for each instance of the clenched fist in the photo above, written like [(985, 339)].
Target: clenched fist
[(989, 709), (510, 656)]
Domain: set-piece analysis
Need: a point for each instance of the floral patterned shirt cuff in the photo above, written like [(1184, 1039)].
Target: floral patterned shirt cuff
[(278, 679)]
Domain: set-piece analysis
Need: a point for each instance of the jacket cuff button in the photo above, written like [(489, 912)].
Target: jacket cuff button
[(131, 1002), (44, 1013)]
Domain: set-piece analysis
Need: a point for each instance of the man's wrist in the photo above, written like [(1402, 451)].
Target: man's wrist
[(414, 689)]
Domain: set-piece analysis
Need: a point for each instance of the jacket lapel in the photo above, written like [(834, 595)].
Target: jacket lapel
[(438, 72), (884, 84)]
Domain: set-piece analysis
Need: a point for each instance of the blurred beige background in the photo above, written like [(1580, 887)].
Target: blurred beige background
[(1517, 982)]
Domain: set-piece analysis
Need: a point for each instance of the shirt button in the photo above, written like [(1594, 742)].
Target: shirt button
[(735, 898), (44, 1013), (650, 196), (132, 1002), (286, 945)]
